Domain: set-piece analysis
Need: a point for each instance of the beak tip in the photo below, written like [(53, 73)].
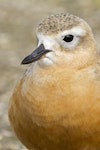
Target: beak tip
[(21, 62), (24, 61)]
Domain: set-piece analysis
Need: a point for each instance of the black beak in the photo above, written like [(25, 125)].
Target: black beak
[(35, 55)]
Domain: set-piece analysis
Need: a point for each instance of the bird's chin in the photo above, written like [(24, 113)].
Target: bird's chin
[(45, 62)]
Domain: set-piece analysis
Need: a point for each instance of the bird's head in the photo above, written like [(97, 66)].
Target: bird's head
[(63, 39)]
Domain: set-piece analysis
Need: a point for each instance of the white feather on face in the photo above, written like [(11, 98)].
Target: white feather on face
[(50, 40), (76, 32), (57, 40)]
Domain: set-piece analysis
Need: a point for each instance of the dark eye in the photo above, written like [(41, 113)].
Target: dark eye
[(68, 38)]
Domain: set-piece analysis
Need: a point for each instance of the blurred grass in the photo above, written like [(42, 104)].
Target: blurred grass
[(17, 38)]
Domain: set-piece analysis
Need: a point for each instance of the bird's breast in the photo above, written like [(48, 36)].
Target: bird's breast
[(55, 94), (54, 105)]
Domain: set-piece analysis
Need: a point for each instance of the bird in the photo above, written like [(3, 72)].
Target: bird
[(56, 104)]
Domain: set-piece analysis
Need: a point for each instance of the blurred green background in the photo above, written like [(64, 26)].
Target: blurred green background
[(18, 20)]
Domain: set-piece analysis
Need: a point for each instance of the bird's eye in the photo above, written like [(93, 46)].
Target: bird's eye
[(68, 38)]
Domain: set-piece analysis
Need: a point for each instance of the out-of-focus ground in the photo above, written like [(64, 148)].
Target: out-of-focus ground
[(17, 38)]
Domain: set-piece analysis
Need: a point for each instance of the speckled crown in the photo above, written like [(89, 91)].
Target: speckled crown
[(58, 22)]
